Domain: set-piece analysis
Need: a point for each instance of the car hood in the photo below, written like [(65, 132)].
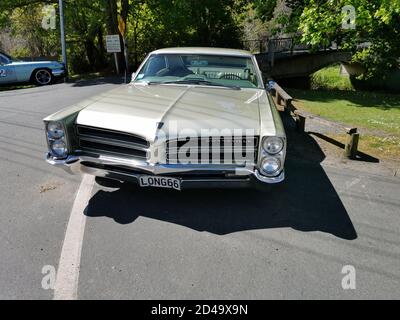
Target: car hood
[(146, 110)]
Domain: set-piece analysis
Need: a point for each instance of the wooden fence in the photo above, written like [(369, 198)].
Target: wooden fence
[(285, 101)]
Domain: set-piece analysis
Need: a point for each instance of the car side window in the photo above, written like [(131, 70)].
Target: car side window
[(3, 60)]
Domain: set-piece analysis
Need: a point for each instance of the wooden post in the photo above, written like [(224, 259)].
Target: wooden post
[(351, 147), (273, 93), (278, 99), (288, 106), (300, 123), (276, 95)]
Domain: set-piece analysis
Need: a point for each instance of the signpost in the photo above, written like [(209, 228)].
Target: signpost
[(113, 45), (63, 45), (122, 29)]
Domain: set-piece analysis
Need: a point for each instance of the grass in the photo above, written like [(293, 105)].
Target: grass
[(377, 113), (370, 110), (330, 78), (379, 147)]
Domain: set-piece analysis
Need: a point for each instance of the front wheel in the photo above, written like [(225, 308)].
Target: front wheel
[(42, 77)]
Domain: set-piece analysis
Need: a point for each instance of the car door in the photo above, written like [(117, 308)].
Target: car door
[(7, 71)]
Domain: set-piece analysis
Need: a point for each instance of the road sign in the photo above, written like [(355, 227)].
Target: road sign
[(113, 43), (121, 26)]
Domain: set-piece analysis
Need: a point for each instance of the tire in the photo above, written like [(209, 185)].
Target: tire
[(42, 77)]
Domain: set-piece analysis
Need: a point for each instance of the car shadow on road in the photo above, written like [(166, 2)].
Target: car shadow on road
[(98, 81), (306, 201)]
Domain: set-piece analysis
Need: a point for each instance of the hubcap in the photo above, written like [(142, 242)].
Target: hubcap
[(43, 77)]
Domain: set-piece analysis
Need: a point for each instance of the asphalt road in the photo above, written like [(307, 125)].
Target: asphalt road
[(148, 244)]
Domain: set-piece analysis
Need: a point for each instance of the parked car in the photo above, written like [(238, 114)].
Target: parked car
[(191, 117), (38, 72)]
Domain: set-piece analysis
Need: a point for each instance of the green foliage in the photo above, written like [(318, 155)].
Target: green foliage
[(35, 41), (150, 24), (389, 82), (265, 8), (253, 28), (377, 23), (4, 17)]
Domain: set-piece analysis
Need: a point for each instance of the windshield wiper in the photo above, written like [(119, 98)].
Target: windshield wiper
[(196, 81)]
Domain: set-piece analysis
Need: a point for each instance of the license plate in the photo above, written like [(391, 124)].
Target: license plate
[(160, 182)]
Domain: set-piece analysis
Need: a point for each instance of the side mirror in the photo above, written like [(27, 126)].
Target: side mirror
[(133, 76)]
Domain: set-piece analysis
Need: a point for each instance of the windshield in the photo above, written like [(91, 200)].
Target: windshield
[(199, 69)]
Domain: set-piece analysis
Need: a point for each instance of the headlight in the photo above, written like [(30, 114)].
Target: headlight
[(58, 148), (55, 130), (56, 139), (270, 166), (273, 145)]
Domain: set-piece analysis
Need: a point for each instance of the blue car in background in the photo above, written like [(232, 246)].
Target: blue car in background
[(39, 72)]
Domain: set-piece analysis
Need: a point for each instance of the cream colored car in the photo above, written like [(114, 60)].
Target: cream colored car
[(191, 117)]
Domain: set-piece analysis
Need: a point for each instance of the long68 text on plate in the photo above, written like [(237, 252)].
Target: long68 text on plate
[(160, 182)]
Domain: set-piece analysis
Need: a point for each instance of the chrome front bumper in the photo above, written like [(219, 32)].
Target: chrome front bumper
[(58, 72), (191, 175)]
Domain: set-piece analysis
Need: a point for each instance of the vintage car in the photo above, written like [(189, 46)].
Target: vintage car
[(38, 72), (190, 118)]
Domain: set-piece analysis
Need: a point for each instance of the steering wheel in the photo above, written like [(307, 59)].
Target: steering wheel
[(162, 72), (175, 72), (230, 76)]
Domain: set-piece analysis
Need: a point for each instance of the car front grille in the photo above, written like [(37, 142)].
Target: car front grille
[(102, 141), (213, 150)]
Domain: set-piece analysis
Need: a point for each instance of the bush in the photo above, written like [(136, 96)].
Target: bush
[(330, 78), (389, 82)]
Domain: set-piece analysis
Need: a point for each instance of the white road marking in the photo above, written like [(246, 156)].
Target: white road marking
[(66, 286)]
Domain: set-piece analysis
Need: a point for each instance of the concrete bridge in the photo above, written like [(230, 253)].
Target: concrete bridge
[(282, 58), (298, 65)]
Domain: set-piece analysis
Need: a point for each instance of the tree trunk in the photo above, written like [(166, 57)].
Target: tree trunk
[(112, 13)]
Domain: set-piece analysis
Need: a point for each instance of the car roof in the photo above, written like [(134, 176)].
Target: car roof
[(204, 50)]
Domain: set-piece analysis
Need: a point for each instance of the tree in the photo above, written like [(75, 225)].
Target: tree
[(148, 24), (377, 25), (265, 8)]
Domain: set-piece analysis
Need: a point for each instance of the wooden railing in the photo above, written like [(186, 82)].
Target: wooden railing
[(276, 45), (281, 97), (284, 100)]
